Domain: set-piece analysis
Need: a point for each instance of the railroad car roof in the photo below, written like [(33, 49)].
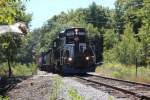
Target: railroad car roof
[(73, 28), (66, 31)]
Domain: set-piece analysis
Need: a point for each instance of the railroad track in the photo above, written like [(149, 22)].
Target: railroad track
[(139, 90)]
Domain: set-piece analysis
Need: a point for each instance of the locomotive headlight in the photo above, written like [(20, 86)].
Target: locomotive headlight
[(69, 59), (87, 58)]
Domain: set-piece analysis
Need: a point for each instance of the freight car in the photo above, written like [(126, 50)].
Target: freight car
[(71, 53)]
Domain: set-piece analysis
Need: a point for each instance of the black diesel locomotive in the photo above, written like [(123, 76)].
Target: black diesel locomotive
[(71, 53)]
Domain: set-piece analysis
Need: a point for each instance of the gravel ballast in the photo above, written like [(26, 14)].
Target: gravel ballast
[(85, 91), (39, 87)]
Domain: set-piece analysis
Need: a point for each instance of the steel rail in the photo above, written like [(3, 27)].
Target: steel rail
[(116, 88), (138, 83)]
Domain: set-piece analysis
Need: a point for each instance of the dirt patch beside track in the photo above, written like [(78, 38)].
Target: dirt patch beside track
[(37, 87)]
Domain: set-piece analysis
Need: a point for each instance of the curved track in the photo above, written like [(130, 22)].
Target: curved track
[(140, 90)]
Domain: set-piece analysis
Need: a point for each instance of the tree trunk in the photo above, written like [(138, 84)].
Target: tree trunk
[(10, 70)]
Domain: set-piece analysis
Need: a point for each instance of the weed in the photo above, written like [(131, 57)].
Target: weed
[(4, 98), (73, 94), (110, 98), (56, 87)]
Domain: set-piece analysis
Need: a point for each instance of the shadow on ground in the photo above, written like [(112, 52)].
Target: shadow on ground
[(7, 84)]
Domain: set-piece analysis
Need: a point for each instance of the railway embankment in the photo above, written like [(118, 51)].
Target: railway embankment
[(48, 86)]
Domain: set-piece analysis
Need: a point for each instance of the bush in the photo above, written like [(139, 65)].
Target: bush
[(25, 69), (19, 69)]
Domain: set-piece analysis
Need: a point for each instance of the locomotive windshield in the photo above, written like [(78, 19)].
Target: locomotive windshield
[(69, 39), (73, 35)]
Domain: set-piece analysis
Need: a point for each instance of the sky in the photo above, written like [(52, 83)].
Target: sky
[(43, 10)]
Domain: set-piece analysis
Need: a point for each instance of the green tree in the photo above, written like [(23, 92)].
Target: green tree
[(128, 50), (11, 12), (136, 13)]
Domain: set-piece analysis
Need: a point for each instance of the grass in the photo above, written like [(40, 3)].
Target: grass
[(125, 72), (56, 87), (18, 69), (74, 95), (3, 98), (25, 70)]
